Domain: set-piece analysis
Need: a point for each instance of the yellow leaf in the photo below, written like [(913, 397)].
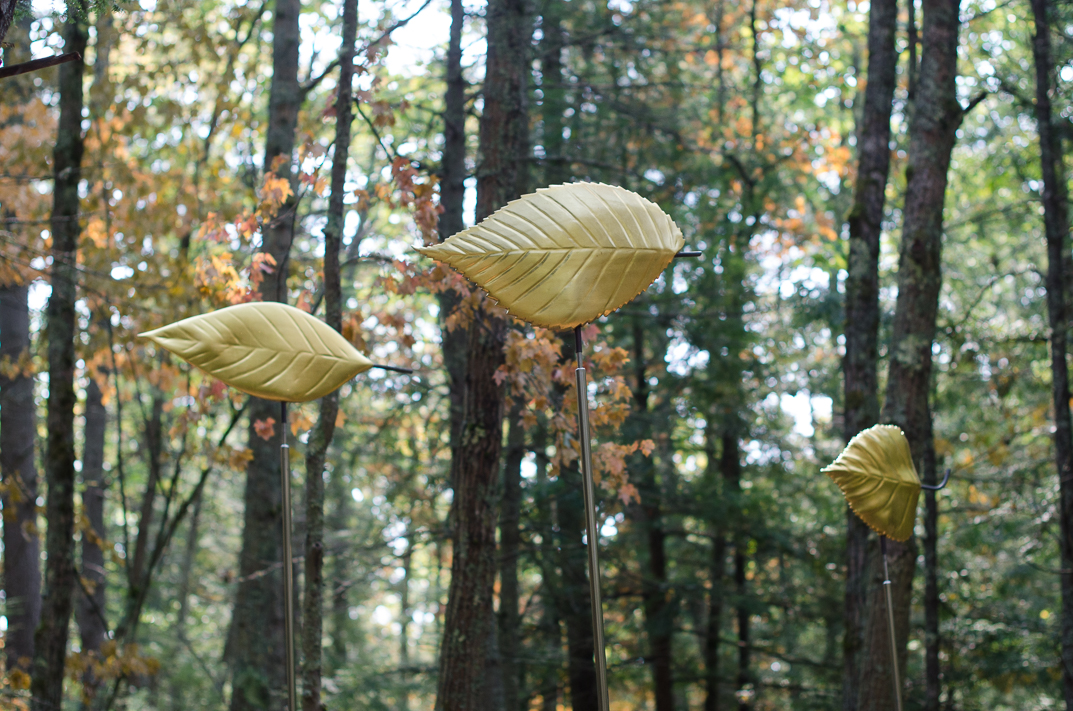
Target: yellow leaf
[(876, 475), (270, 350), (567, 254)]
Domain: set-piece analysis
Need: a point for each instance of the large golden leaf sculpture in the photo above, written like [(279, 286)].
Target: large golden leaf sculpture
[(876, 475), (267, 349), (567, 254)]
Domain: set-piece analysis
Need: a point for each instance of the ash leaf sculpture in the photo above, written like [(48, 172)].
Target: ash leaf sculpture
[(275, 352), (565, 255), (266, 349), (876, 475)]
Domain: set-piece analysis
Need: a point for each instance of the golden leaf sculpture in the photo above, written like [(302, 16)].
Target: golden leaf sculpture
[(267, 349), (876, 475), (565, 255)]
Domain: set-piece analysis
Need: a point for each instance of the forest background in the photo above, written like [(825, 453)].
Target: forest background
[(879, 195)]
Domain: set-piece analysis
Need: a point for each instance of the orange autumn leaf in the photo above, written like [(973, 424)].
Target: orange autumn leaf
[(265, 429)]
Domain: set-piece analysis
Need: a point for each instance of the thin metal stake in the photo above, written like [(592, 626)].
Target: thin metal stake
[(288, 563), (591, 528), (890, 624)]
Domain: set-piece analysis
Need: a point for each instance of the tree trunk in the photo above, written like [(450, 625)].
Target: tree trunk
[(154, 449), (557, 164), (510, 548), (933, 126), (573, 597), (659, 613), (862, 302), (1056, 223), (256, 639), (22, 561), (61, 576), (475, 459), (342, 571), (321, 437), (716, 575), (452, 195), (186, 568), (549, 631), (405, 614), (90, 612), (730, 468)]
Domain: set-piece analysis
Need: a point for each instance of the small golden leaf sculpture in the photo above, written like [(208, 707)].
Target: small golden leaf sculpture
[(565, 255), (267, 349), (876, 475)]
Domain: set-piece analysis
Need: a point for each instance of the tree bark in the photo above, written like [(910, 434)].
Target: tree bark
[(339, 489), (1056, 225), (730, 469), (256, 641), (61, 576), (553, 105), (574, 600), (321, 437), (510, 548), (715, 595), (933, 126), (91, 607), (658, 610), (7, 15), (452, 195), (475, 459), (18, 428), (549, 630), (859, 368), (154, 449), (186, 568), (404, 624)]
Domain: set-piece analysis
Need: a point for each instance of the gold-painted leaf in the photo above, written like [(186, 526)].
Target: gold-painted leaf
[(876, 475), (567, 254), (270, 350)]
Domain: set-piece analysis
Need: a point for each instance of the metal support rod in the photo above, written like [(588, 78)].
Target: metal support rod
[(288, 563), (890, 625), (395, 369), (940, 485), (591, 526)]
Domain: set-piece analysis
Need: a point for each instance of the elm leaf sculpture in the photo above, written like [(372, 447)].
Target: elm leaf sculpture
[(565, 255), (266, 349), (876, 475), (560, 258)]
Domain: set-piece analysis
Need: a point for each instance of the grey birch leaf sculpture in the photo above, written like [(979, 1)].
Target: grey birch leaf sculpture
[(876, 475)]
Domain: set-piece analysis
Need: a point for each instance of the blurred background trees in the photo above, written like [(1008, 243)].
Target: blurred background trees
[(199, 156)]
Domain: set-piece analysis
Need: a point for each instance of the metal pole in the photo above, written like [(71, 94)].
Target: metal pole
[(890, 625), (591, 526), (288, 563)]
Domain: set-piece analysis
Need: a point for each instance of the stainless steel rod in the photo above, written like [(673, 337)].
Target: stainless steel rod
[(591, 528), (890, 627), (288, 564)]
